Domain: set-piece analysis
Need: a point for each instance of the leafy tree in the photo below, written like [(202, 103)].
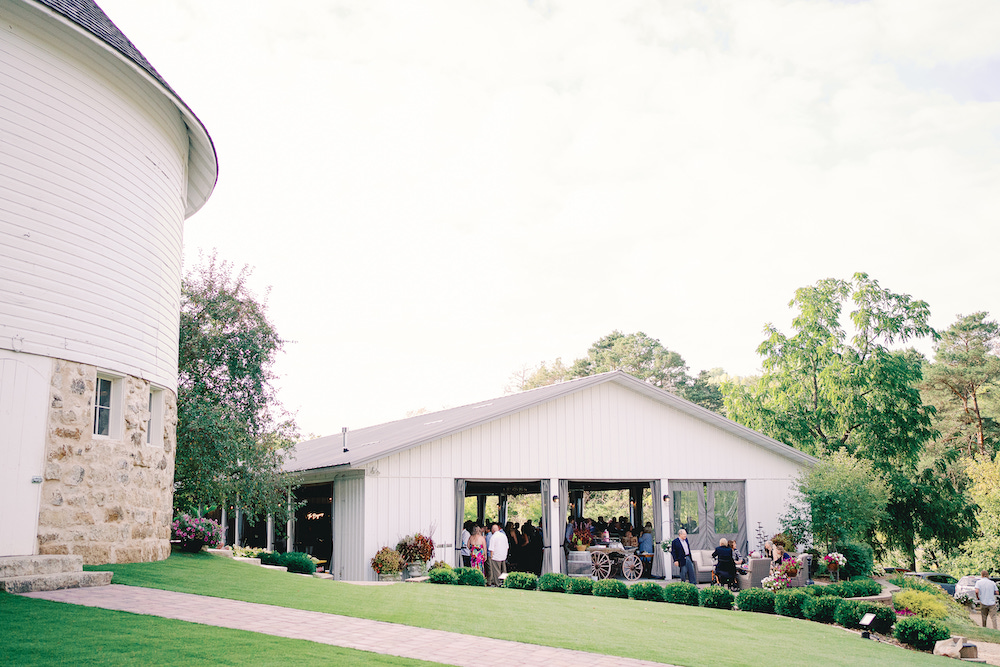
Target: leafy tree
[(543, 376), (638, 355), (838, 500), (232, 434), (983, 551), (706, 390), (823, 390), (965, 372)]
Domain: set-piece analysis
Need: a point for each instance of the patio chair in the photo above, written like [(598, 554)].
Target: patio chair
[(758, 569)]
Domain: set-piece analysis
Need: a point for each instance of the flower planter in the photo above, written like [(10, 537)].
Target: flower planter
[(416, 569), (580, 547), (390, 576)]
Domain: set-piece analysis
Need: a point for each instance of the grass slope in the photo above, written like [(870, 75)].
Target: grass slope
[(646, 630), (39, 632)]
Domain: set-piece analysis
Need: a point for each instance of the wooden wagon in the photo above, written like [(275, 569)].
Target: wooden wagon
[(613, 558)]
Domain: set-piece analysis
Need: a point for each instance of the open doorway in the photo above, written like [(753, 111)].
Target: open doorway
[(516, 506)]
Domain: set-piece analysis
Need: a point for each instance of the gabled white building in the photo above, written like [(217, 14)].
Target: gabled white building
[(368, 488), (100, 164)]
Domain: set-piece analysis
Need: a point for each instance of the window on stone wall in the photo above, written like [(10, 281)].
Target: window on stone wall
[(154, 425), (107, 407)]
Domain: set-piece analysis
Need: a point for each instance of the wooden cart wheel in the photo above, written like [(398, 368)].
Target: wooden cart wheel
[(601, 565), (632, 567)]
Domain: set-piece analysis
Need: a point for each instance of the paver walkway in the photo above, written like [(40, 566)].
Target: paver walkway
[(377, 636)]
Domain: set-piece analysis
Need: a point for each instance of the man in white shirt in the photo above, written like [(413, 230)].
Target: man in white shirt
[(466, 534), (986, 593), (498, 555)]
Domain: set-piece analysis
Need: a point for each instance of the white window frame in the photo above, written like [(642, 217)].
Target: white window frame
[(116, 414), (154, 424)]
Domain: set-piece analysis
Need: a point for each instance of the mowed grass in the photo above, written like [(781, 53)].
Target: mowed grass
[(39, 632), (628, 628)]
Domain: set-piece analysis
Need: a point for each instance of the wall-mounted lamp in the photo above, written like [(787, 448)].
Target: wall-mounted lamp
[(555, 499), (666, 497)]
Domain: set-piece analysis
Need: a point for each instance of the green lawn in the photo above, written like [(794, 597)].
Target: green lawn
[(39, 632), (652, 631)]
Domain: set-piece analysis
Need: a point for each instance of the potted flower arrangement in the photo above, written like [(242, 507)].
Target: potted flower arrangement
[(581, 539), (416, 551), (775, 582), (387, 564), (788, 569), (196, 532), (834, 561)]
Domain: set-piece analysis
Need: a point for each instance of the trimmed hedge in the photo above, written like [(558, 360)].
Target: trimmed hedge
[(469, 576), (553, 582), (715, 597), (860, 559), (920, 633), (442, 575), (295, 561), (526, 581), (580, 586), (681, 593), (610, 588), (756, 599), (821, 609), (791, 603), (866, 587), (849, 613), (924, 605), (646, 590)]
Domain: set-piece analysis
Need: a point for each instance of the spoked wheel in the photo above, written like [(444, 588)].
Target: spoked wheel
[(601, 565), (632, 567)]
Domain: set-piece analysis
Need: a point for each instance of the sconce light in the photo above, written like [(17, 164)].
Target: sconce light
[(666, 497), (555, 499)]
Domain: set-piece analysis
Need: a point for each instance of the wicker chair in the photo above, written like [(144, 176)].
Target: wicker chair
[(758, 569)]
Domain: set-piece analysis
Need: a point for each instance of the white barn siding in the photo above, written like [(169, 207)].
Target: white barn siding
[(608, 428), (349, 527), (92, 204)]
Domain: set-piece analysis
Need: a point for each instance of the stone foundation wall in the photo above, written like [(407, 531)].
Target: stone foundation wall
[(109, 500)]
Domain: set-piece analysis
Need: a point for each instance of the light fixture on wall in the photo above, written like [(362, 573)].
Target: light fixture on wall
[(555, 499), (666, 497)]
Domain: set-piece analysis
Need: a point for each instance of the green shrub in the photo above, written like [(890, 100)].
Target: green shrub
[(884, 616), (866, 587), (469, 576), (919, 584), (580, 586), (553, 582), (527, 581), (270, 558), (715, 597), (681, 593), (646, 590), (439, 564), (921, 633), (836, 589), (849, 613), (791, 603), (817, 560), (860, 560), (920, 603), (441, 575), (296, 561), (756, 599), (610, 588), (821, 609)]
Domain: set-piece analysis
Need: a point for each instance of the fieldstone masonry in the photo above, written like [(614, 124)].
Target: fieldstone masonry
[(108, 500)]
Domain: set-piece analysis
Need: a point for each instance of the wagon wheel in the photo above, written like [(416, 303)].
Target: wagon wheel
[(632, 567), (601, 565)]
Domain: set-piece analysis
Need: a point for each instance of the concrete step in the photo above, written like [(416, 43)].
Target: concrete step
[(23, 566), (55, 581)]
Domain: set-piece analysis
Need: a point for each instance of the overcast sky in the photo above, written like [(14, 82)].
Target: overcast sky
[(441, 193)]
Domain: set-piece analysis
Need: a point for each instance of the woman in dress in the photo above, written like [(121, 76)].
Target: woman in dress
[(725, 569), (477, 549)]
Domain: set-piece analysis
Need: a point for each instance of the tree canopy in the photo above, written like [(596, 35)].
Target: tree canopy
[(232, 434)]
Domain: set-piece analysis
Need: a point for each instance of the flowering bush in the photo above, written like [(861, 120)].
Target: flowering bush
[(581, 536), (189, 529), (387, 561), (789, 569), (246, 552), (415, 548), (836, 559), (965, 599), (776, 582)]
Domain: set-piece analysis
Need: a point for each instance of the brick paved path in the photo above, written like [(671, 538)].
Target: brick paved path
[(377, 636)]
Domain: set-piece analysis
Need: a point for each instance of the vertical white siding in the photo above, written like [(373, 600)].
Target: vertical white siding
[(349, 529), (24, 393), (92, 201)]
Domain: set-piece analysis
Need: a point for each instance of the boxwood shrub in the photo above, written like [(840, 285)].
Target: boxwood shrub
[(865, 587), (610, 588), (443, 576), (580, 585), (527, 581), (552, 582), (297, 561), (681, 592), (715, 597), (646, 590), (756, 599), (791, 603), (849, 613), (821, 609), (469, 576), (920, 633)]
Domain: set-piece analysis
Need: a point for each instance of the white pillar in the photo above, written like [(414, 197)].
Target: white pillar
[(238, 537), (225, 527), (556, 526), (290, 539), (270, 532), (666, 531)]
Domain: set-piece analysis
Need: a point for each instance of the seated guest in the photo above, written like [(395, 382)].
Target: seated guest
[(779, 556), (646, 541), (629, 540), (737, 558), (725, 568)]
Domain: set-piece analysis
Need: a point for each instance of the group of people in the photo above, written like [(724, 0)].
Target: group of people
[(496, 551), (728, 561), (602, 531)]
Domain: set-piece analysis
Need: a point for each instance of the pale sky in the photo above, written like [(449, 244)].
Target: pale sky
[(440, 193)]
